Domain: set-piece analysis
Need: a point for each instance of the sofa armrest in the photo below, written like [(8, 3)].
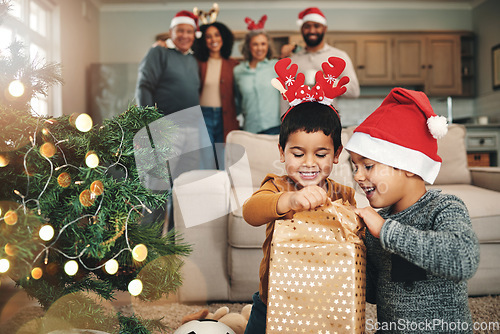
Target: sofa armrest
[(200, 206), (486, 177)]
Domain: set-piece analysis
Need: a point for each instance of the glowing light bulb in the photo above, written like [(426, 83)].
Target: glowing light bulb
[(111, 266), (71, 267), (91, 159), (135, 287), (140, 252), (4, 160), (4, 265), (83, 122), (36, 273), (46, 232), (10, 217), (16, 88)]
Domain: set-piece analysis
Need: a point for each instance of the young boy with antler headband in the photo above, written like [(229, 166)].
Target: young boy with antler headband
[(309, 145)]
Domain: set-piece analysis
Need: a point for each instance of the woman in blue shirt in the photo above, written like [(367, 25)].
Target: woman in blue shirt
[(256, 98)]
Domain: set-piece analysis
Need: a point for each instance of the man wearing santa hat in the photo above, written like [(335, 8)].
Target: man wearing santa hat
[(168, 79), (313, 28)]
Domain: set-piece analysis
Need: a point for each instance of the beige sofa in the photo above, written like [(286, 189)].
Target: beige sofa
[(227, 251)]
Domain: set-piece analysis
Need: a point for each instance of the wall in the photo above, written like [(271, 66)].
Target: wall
[(127, 31), (79, 43), (486, 24)]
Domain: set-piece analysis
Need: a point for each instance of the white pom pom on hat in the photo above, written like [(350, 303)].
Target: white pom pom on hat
[(402, 132)]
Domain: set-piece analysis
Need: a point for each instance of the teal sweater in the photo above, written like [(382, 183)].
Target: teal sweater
[(417, 270)]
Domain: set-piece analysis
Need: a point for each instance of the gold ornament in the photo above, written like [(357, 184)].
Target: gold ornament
[(36, 273), (4, 160), (86, 198), (64, 180), (97, 188), (48, 150), (10, 217), (10, 249)]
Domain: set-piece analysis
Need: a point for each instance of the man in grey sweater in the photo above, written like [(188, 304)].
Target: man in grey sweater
[(169, 79), (421, 248)]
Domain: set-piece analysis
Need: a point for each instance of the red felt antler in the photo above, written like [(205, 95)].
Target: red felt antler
[(329, 81), (251, 25), (286, 77)]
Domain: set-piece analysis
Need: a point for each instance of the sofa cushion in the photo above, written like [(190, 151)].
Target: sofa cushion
[(260, 150), (451, 148), (483, 206), (243, 235), (263, 157)]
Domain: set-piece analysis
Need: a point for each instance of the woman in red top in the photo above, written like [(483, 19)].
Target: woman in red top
[(213, 51)]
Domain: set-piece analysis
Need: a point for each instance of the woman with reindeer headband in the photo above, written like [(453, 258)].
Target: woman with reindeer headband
[(212, 50), (256, 100), (309, 145)]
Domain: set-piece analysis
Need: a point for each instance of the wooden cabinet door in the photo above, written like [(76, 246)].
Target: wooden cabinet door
[(409, 59), (370, 54), (349, 44), (375, 60), (443, 58)]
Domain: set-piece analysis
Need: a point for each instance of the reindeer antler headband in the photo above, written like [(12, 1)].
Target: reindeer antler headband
[(327, 86), (252, 25), (207, 17)]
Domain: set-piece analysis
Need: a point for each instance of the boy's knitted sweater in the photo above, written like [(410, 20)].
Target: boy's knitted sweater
[(417, 270)]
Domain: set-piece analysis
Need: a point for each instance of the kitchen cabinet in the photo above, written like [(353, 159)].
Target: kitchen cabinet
[(371, 56), (409, 59), (438, 63), (443, 77), (432, 61)]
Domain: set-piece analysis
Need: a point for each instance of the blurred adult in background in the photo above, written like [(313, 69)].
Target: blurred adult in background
[(213, 51), (313, 28), (168, 78), (256, 98)]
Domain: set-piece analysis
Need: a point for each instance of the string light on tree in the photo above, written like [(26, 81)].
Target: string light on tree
[(4, 265), (10, 217), (111, 267), (140, 252), (71, 267), (48, 150), (10, 249), (135, 287), (83, 122), (97, 188), (46, 232), (91, 159), (16, 88), (4, 160), (36, 273), (64, 180)]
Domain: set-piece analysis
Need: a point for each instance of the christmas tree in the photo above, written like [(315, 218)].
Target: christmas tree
[(71, 203)]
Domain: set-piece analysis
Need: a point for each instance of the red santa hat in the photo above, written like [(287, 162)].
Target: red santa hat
[(402, 133), (312, 14), (186, 17)]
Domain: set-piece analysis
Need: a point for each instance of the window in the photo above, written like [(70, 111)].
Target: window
[(32, 22)]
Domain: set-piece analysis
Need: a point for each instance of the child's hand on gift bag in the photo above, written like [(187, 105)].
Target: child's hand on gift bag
[(372, 219), (307, 198)]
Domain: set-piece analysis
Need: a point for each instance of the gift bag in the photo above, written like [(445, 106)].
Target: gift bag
[(317, 273)]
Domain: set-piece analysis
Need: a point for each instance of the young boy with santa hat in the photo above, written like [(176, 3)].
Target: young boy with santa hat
[(421, 248)]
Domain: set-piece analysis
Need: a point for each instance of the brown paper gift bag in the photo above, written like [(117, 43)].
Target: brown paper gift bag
[(317, 273)]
